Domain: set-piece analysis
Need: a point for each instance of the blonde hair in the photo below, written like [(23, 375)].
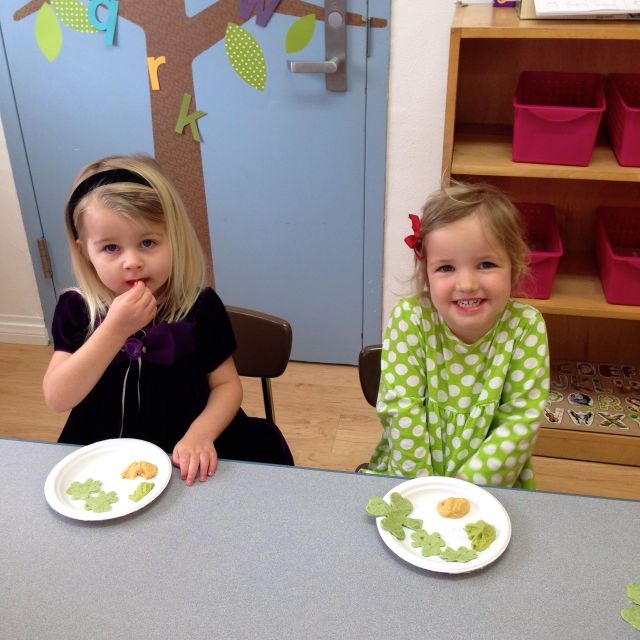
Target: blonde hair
[(156, 202), (459, 200)]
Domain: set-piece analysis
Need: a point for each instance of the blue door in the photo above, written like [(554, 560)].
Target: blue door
[(292, 173)]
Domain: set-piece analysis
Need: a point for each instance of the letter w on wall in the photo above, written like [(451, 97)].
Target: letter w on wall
[(264, 10)]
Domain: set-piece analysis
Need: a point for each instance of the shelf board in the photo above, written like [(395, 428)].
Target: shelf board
[(489, 154), (485, 21), (577, 291)]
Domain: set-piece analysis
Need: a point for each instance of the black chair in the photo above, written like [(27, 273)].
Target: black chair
[(369, 372), (264, 348)]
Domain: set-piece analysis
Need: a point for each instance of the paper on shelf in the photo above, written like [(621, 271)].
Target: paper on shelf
[(596, 7)]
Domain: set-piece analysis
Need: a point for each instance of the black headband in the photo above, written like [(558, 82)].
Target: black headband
[(111, 176)]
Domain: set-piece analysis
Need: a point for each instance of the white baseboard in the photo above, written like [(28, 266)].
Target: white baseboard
[(23, 330)]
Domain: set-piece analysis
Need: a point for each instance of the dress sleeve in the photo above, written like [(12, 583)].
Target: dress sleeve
[(70, 322), (503, 459), (214, 337), (402, 392)]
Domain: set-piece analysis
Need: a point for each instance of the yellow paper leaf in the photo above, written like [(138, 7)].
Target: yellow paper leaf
[(48, 32)]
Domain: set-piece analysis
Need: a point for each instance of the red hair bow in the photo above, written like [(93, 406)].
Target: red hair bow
[(414, 241)]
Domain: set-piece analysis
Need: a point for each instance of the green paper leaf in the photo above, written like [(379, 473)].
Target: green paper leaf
[(102, 502), (632, 616), (430, 543), (633, 592), (74, 15), (481, 534), (300, 33), (82, 490), (461, 554), (48, 32), (141, 491), (245, 56)]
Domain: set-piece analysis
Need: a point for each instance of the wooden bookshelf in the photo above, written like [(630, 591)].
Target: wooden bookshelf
[(489, 154), (485, 21), (577, 291), (489, 48)]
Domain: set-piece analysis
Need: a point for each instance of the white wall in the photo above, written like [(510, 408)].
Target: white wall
[(417, 86), (21, 318), (417, 91)]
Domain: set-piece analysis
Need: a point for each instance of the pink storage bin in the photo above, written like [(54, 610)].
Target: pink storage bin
[(556, 117), (623, 117), (545, 248), (618, 251)]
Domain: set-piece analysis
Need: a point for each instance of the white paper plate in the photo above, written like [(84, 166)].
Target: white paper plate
[(424, 494), (105, 461)]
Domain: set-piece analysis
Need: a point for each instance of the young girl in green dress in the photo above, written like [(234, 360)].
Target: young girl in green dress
[(465, 368)]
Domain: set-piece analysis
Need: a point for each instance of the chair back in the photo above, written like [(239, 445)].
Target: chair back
[(263, 348), (369, 371)]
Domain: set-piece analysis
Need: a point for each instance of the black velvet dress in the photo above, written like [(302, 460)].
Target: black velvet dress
[(157, 385)]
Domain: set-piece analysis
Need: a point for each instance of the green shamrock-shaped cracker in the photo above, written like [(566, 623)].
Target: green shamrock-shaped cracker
[(461, 554), (102, 502), (394, 515), (377, 507), (632, 616), (481, 534), (141, 491), (633, 592), (430, 543), (82, 490)]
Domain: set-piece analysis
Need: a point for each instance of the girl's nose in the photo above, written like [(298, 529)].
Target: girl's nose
[(467, 280), (132, 260)]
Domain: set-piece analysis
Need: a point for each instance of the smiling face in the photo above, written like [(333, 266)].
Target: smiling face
[(123, 251), (469, 276)]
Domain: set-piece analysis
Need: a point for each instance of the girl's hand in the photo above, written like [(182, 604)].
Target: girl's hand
[(132, 310), (195, 453), (195, 456)]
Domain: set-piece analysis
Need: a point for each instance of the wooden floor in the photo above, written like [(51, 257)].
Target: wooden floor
[(320, 409)]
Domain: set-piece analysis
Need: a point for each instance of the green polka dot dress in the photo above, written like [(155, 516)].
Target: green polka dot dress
[(453, 409)]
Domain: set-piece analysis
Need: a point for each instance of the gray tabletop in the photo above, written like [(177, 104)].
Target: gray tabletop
[(268, 552)]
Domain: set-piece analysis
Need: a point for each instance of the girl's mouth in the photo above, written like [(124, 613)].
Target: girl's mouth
[(469, 303)]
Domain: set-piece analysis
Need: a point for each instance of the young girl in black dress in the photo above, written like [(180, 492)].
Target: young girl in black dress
[(142, 348)]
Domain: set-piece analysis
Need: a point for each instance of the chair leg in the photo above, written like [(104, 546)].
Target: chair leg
[(268, 400)]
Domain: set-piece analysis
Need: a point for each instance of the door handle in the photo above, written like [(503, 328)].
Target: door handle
[(335, 46), (325, 66)]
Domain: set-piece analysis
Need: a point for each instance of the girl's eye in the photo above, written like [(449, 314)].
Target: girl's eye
[(111, 248), (147, 244), (487, 265), (445, 268)]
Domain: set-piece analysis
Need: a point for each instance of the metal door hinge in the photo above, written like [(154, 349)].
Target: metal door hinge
[(45, 260), (367, 25)]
